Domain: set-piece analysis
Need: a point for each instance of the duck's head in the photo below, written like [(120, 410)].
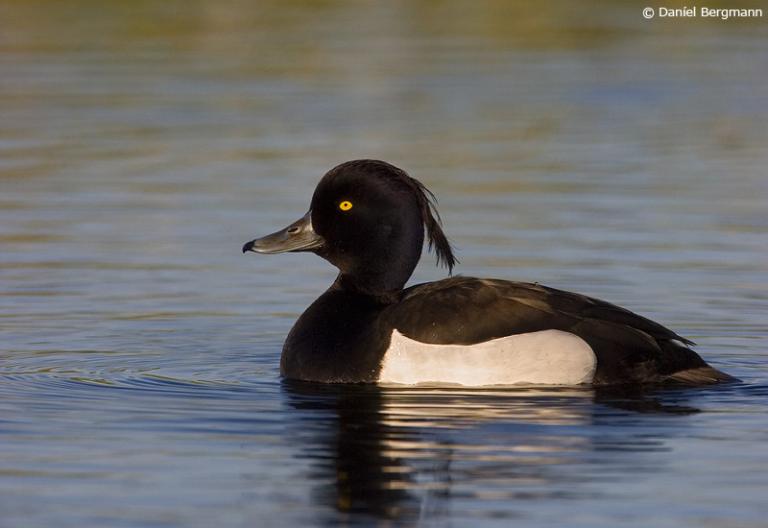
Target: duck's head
[(368, 219)]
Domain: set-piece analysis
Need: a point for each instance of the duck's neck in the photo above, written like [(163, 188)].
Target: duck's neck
[(383, 275), (381, 288)]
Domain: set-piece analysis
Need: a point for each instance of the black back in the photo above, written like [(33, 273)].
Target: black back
[(465, 310)]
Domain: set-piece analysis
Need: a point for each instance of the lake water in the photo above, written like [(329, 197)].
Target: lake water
[(574, 144)]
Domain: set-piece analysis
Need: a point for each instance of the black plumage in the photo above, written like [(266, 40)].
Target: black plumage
[(369, 218)]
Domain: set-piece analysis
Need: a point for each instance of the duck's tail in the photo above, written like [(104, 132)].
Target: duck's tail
[(685, 366), (700, 376)]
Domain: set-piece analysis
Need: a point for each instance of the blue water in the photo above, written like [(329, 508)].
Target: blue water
[(573, 144)]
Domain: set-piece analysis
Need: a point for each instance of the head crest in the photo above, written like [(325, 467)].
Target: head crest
[(433, 223)]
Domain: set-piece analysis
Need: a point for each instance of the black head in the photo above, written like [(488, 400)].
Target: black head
[(368, 218)]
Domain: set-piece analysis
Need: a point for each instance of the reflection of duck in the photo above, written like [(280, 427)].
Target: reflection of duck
[(346, 438), (407, 454), (368, 218)]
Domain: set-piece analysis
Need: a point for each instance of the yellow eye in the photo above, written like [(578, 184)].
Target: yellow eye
[(346, 205)]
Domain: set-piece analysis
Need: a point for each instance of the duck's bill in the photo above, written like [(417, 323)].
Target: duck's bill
[(299, 236)]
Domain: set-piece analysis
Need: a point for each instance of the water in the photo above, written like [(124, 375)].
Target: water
[(574, 144)]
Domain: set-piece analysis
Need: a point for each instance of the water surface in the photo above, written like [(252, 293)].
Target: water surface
[(573, 144)]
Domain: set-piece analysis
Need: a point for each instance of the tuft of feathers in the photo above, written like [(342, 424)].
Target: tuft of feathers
[(433, 223)]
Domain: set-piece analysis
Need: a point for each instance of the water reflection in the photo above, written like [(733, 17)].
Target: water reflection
[(406, 454)]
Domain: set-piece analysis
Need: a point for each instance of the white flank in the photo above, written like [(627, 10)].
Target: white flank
[(549, 357)]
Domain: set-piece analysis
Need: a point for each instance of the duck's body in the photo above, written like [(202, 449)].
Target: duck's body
[(505, 330), (462, 330)]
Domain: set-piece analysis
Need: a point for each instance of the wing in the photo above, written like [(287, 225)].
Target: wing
[(465, 310)]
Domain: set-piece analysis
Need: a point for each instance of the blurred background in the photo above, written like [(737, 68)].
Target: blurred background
[(575, 144)]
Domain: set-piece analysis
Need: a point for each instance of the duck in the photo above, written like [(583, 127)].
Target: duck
[(370, 219)]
